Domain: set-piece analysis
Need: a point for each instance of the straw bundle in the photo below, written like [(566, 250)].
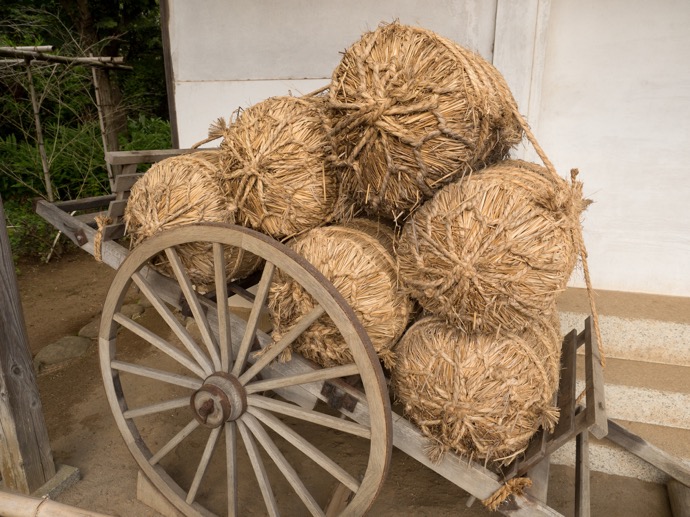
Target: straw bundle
[(494, 249), (183, 190), (480, 395), (411, 111), (273, 160), (358, 260)]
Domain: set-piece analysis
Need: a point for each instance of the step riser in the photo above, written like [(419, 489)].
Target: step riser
[(638, 339)]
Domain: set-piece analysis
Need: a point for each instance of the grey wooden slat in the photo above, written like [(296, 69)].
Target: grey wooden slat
[(117, 209), (86, 203), (566, 388), (124, 182), (596, 404), (648, 452), (679, 497), (582, 488), (128, 157)]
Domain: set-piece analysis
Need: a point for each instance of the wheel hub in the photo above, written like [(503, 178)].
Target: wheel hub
[(220, 399)]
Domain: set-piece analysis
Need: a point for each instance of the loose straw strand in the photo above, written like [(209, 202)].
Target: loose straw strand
[(514, 486)]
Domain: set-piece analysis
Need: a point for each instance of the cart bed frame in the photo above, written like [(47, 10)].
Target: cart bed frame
[(577, 417)]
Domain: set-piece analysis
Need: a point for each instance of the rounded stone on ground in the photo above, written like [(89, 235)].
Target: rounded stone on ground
[(65, 348), (132, 310), (91, 329)]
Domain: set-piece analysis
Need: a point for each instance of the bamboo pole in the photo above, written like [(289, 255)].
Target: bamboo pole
[(39, 135), (15, 505), (103, 61)]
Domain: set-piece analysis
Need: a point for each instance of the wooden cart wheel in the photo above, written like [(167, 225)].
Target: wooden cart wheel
[(200, 415)]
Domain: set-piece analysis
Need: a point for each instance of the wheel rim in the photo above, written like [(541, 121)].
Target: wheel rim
[(215, 386)]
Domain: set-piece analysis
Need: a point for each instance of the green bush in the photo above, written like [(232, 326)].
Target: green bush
[(29, 235), (146, 133)]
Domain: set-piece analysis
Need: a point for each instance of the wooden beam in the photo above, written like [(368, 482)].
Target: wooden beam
[(648, 452), (129, 157), (679, 497), (582, 487), (26, 460)]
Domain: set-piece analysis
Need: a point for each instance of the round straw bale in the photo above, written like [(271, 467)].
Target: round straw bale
[(495, 248), (411, 111), (273, 159), (480, 395), (359, 262), (182, 190)]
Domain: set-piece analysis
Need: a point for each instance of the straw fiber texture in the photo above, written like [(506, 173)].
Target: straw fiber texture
[(273, 160), (480, 395), (411, 111), (494, 249), (358, 260), (183, 190)]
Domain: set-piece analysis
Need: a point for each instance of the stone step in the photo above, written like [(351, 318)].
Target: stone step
[(634, 326), (649, 393)]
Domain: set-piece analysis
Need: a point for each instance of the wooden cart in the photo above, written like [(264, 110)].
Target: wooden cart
[(197, 414)]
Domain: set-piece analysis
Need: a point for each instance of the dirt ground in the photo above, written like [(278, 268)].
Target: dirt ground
[(61, 297)]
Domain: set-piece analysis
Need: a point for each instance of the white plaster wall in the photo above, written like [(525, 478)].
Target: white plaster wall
[(611, 96), (233, 53), (616, 104)]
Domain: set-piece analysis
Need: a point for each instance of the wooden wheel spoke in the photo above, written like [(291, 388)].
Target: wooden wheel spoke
[(203, 464), (159, 375), (273, 351), (156, 408), (224, 336), (194, 304), (231, 465), (160, 343), (173, 323), (250, 331), (259, 470), (285, 408), (307, 448), (174, 441), (283, 465), (305, 378)]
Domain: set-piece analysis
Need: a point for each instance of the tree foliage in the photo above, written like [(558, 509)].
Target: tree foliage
[(65, 92)]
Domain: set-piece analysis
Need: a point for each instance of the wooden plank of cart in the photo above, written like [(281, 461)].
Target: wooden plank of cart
[(230, 386)]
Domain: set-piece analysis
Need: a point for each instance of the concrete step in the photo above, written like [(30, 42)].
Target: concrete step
[(634, 326), (647, 377)]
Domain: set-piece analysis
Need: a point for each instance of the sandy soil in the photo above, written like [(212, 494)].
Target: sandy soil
[(61, 297)]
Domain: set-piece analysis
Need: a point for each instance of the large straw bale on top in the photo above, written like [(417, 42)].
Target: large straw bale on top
[(273, 160), (495, 248), (183, 190), (358, 260), (411, 111), (480, 395)]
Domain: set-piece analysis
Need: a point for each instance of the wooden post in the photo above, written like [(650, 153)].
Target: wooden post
[(26, 460)]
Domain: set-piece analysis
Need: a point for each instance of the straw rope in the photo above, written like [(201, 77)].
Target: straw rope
[(494, 249), (101, 221), (480, 395), (514, 486), (358, 260), (183, 190), (411, 111), (273, 158), (577, 231)]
